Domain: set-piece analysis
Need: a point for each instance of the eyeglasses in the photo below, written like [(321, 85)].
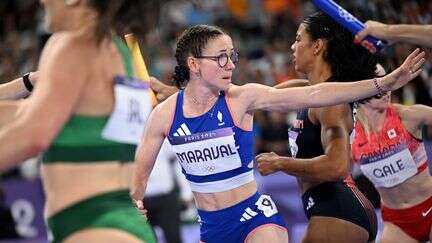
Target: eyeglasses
[(222, 59)]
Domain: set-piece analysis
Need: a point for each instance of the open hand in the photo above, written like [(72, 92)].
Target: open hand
[(406, 72), (161, 90), (139, 204), (137, 199), (375, 29), (267, 163)]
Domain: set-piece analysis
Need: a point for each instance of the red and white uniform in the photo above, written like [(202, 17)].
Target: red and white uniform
[(388, 158)]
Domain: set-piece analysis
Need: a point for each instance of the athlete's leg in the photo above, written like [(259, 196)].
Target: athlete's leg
[(392, 233), (269, 233)]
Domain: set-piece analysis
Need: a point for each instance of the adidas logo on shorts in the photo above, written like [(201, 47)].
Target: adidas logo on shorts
[(248, 214), (310, 203)]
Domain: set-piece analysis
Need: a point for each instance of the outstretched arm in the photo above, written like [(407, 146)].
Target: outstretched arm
[(258, 96), (414, 34), (164, 91), (332, 165), (16, 88)]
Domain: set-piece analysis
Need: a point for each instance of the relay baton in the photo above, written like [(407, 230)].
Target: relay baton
[(139, 64), (347, 20)]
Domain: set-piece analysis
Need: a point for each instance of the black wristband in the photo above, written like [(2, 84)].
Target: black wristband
[(27, 83)]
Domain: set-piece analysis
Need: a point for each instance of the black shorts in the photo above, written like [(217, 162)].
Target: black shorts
[(338, 200)]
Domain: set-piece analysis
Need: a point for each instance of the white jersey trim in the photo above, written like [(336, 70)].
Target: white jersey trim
[(420, 155), (223, 185)]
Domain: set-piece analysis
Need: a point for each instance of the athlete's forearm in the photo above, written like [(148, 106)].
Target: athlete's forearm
[(324, 94), (139, 179), (414, 34), (16, 88), (330, 93), (316, 169), (17, 143)]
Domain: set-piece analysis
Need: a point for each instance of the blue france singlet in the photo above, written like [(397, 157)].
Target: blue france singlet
[(214, 153)]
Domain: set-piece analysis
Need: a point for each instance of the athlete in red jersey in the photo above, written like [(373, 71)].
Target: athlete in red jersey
[(388, 147)]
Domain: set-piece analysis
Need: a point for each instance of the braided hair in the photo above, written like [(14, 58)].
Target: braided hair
[(191, 43)]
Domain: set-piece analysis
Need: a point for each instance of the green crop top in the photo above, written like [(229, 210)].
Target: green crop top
[(81, 140)]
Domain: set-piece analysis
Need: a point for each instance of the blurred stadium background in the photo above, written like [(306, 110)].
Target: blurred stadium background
[(263, 31)]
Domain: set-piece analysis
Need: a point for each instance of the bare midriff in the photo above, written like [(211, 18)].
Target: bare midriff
[(220, 200), (409, 193), (68, 183)]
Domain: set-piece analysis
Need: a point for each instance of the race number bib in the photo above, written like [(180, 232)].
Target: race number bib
[(266, 205), (207, 153), (389, 168), (131, 110)]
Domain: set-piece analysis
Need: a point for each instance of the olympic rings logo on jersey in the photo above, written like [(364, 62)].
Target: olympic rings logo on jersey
[(210, 168), (344, 14)]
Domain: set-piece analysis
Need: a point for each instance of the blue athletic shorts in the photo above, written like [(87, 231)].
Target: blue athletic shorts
[(235, 223)]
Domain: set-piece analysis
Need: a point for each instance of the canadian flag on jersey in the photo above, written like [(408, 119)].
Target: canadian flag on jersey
[(391, 133)]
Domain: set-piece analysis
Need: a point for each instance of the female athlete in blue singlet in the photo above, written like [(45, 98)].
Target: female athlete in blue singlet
[(209, 125)]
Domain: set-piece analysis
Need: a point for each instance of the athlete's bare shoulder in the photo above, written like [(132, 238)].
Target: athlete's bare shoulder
[(165, 111), (68, 47)]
